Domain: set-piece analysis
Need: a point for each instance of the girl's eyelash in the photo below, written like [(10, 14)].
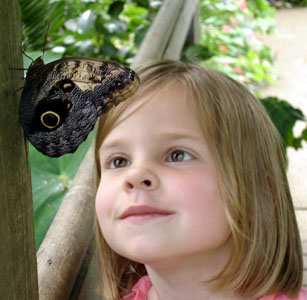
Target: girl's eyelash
[(179, 155), (116, 162)]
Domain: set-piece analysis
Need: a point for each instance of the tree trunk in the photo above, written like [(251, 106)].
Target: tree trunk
[(18, 275)]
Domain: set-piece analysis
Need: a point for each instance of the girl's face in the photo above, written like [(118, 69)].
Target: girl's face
[(158, 198)]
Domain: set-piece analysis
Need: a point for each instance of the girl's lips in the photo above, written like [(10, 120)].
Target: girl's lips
[(144, 212)]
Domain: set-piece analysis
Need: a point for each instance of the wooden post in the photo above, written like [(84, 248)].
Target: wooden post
[(61, 253), (157, 37), (181, 30), (195, 28), (18, 275)]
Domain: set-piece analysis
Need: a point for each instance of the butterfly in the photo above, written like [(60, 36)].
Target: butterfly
[(62, 100)]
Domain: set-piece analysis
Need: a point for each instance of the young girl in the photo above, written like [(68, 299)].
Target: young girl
[(193, 201)]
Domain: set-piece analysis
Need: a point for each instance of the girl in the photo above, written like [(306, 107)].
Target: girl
[(193, 201)]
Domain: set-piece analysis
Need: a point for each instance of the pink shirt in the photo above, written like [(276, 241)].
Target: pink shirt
[(141, 288)]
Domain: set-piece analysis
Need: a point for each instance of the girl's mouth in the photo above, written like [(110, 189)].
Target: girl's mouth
[(143, 213)]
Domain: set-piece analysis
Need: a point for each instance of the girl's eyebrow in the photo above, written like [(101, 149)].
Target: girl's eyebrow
[(179, 136), (167, 136), (111, 145)]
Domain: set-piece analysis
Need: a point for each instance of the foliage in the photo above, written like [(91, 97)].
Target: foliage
[(287, 3), (51, 178), (35, 16), (297, 2), (232, 34), (102, 28), (284, 117)]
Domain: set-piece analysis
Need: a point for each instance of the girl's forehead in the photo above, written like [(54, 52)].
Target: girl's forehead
[(155, 98), (156, 119)]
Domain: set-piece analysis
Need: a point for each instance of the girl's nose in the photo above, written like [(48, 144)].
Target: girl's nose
[(140, 179)]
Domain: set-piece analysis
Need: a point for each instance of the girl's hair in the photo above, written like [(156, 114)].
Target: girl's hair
[(249, 157)]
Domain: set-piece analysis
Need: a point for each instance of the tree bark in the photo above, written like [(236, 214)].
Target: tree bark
[(157, 37), (61, 253), (18, 275), (180, 32)]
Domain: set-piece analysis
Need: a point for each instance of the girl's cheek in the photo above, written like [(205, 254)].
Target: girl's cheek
[(105, 196), (100, 204)]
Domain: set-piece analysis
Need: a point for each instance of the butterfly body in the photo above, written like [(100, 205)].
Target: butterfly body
[(62, 100)]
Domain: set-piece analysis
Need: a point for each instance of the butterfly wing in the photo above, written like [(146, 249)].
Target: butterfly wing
[(61, 100)]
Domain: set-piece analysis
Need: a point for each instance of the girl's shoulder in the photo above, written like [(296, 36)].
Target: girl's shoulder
[(140, 290), (302, 296)]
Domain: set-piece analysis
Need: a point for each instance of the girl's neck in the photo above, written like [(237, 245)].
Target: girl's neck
[(191, 288), (185, 278)]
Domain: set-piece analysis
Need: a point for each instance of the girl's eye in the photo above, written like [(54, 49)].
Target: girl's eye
[(119, 162), (179, 156)]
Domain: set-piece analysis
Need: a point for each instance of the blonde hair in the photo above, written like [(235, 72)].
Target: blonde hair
[(247, 150)]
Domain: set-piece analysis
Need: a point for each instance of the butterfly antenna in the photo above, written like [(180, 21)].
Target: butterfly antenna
[(26, 55), (21, 69)]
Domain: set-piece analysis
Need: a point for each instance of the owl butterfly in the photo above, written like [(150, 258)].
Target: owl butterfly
[(61, 100)]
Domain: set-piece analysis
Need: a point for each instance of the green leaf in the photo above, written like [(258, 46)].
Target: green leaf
[(108, 50), (51, 178), (140, 34), (197, 52), (143, 3), (116, 8), (35, 16), (284, 116), (133, 12)]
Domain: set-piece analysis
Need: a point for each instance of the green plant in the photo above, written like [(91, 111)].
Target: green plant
[(284, 117), (103, 28), (288, 3), (35, 16), (232, 34), (297, 2), (51, 178)]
